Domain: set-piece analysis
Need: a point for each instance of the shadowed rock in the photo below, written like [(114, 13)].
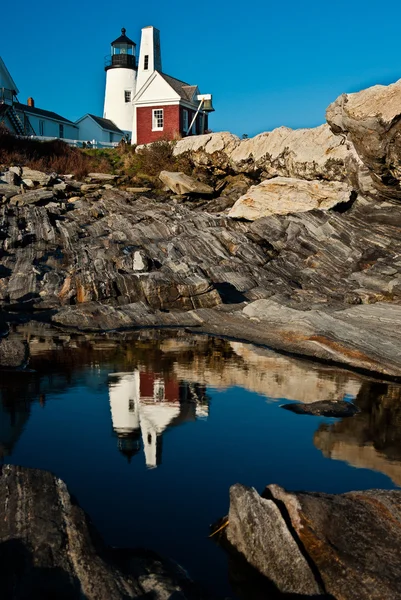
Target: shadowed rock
[(324, 408), (48, 549)]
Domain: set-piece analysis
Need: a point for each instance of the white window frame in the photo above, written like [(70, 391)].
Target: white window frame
[(146, 62), (157, 118), (127, 96), (185, 120)]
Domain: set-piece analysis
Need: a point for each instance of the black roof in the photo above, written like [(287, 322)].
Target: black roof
[(123, 39), (106, 124), (40, 112), (184, 90)]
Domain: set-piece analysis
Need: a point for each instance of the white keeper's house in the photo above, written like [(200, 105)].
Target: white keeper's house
[(142, 103)]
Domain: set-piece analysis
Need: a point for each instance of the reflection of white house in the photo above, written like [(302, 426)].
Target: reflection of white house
[(144, 405)]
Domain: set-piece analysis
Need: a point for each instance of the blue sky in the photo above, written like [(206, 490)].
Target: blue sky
[(266, 64)]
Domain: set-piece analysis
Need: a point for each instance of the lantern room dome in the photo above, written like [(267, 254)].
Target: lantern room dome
[(123, 39)]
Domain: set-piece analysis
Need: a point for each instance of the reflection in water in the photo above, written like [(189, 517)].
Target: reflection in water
[(144, 404), (372, 438), (135, 388)]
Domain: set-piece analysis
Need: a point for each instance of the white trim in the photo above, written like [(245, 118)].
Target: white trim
[(102, 128)]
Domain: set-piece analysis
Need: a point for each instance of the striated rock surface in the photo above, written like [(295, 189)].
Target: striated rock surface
[(48, 549), (345, 546), (284, 195)]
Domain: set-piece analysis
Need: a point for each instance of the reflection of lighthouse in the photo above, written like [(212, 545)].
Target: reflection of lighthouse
[(143, 405)]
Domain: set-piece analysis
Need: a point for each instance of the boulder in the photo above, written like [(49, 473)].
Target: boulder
[(37, 176), (13, 353), (324, 408), (370, 119), (11, 178), (315, 153), (49, 549), (310, 154), (345, 546), (284, 195), (179, 183), (8, 190), (258, 531)]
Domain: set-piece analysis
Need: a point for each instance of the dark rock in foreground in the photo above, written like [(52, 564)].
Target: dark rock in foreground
[(13, 354), (345, 546), (48, 549), (324, 408)]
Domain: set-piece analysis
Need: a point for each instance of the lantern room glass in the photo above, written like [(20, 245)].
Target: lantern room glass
[(122, 48)]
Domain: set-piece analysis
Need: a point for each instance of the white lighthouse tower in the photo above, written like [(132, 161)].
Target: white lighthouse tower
[(121, 73)]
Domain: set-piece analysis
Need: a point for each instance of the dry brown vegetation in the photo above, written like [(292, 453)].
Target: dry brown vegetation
[(53, 156), (56, 156)]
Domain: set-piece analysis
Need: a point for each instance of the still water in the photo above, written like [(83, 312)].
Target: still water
[(149, 434)]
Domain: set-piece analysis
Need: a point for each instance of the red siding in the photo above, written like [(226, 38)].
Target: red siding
[(171, 129)]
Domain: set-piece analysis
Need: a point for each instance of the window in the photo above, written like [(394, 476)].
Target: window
[(185, 121), (41, 128), (127, 95), (157, 119), (61, 131), (146, 62), (110, 137)]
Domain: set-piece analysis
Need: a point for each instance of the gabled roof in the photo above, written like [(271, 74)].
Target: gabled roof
[(32, 110), (103, 123), (7, 73), (184, 90)]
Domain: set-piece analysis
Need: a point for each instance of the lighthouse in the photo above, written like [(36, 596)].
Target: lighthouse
[(121, 72)]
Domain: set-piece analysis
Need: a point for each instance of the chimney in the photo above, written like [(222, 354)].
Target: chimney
[(31, 102)]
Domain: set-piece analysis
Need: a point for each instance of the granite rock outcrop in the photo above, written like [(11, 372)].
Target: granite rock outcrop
[(345, 546)]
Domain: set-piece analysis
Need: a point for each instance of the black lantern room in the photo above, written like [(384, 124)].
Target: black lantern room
[(122, 53)]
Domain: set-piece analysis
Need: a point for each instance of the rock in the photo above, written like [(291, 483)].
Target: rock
[(33, 197), (363, 335), (48, 549), (8, 190), (344, 546), (283, 195), (11, 178), (179, 183), (89, 187), (37, 176), (324, 408), (258, 531), (352, 539), (102, 177), (370, 119), (13, 353), (138, 190), (301, 153), (29, 183)]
